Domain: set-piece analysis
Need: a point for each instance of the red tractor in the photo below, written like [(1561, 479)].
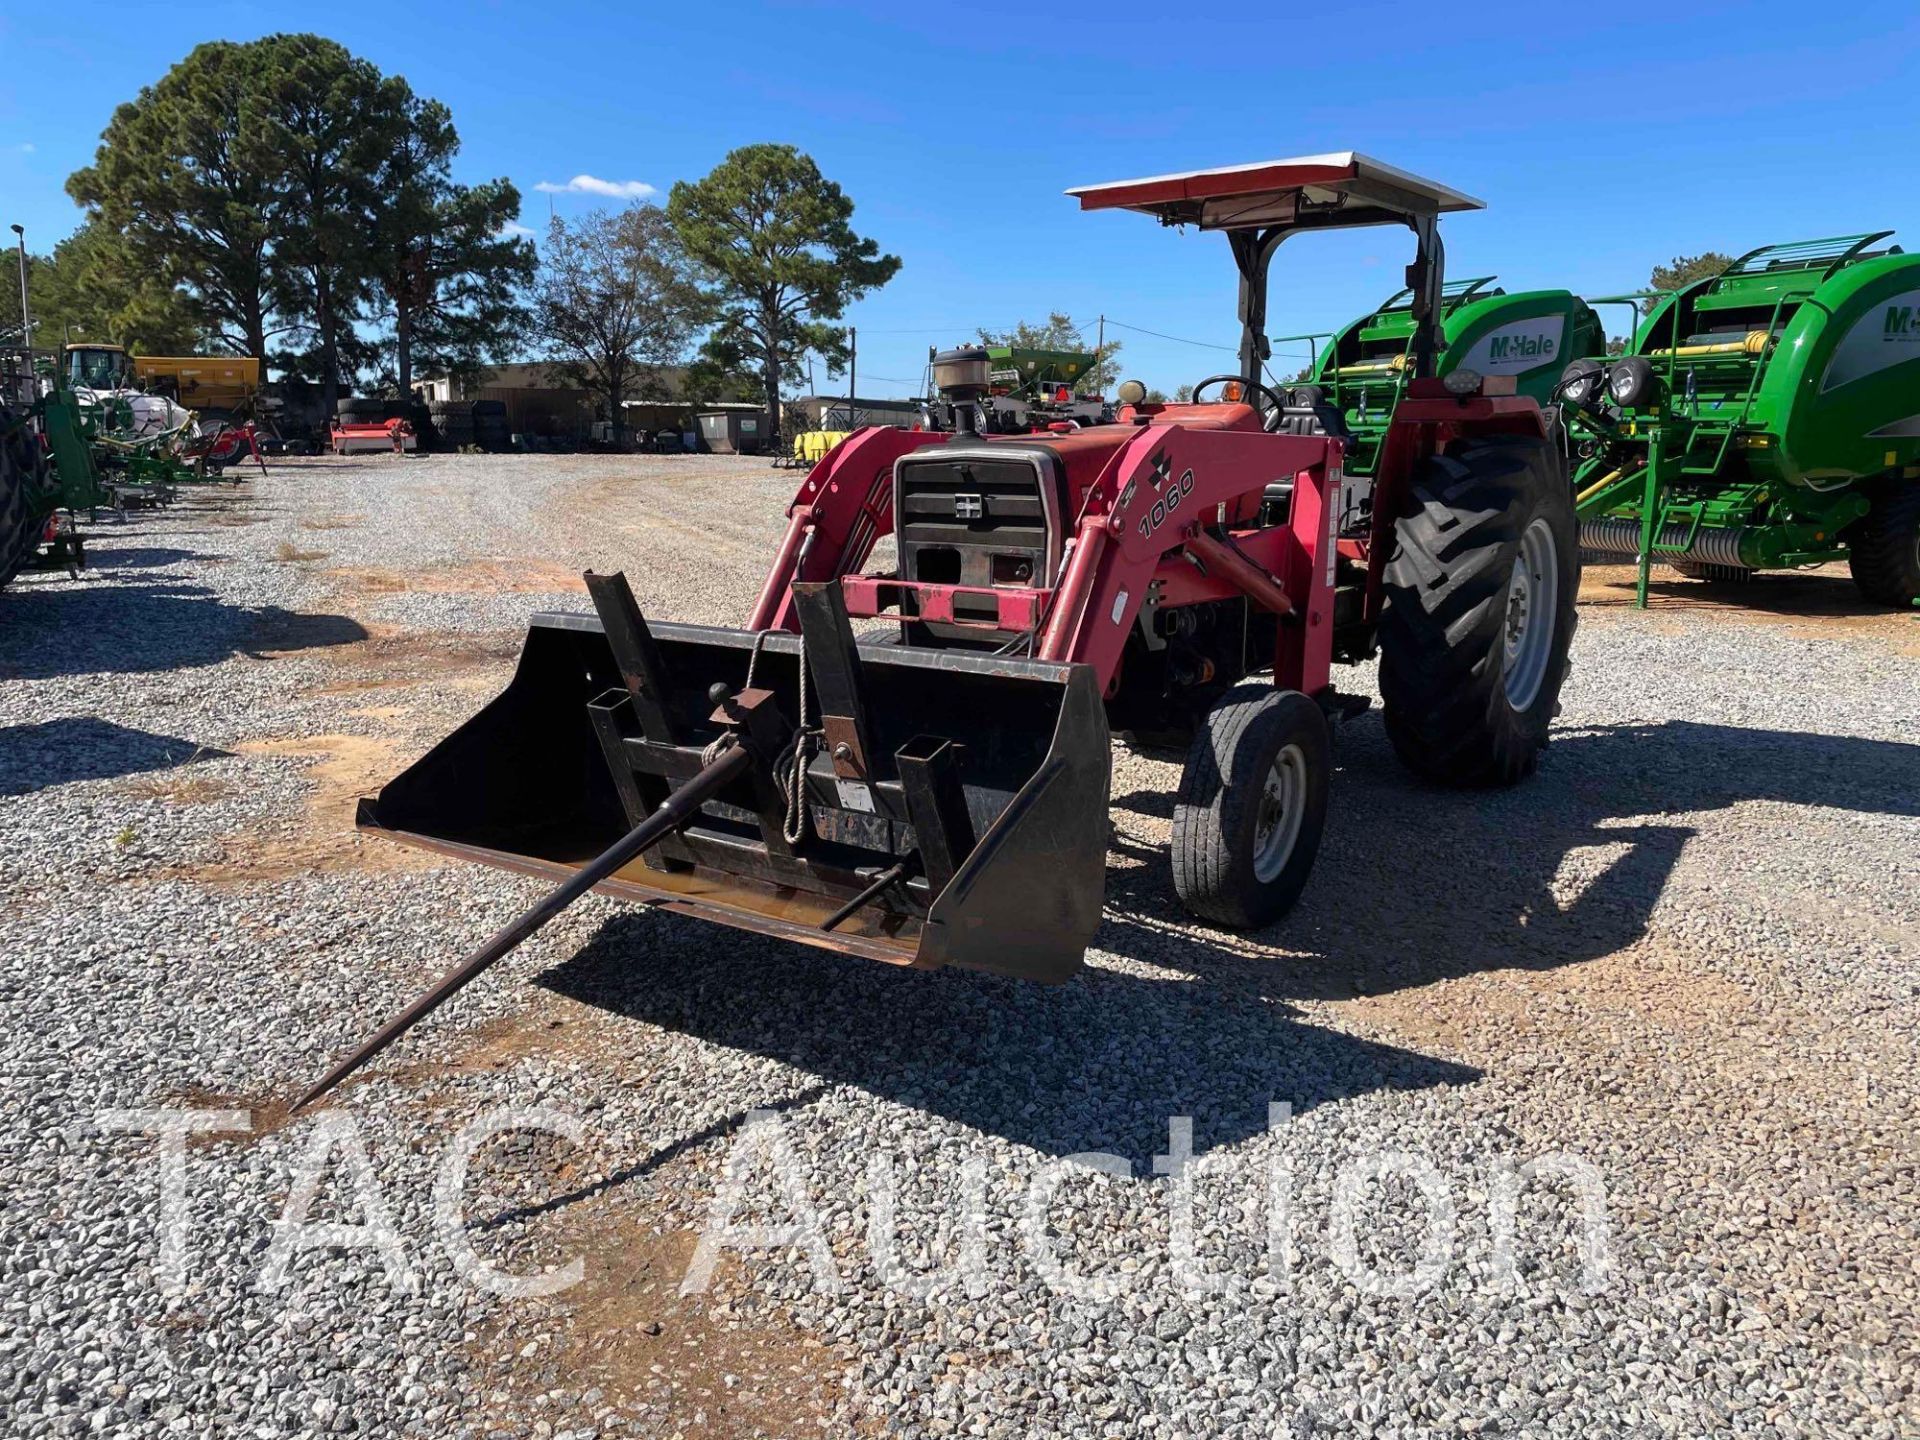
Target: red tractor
[(937, 793)]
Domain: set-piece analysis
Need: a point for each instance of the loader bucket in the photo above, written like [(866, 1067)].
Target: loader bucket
[(982, 778)]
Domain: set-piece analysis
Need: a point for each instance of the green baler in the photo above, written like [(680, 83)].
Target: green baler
[(1530, 336), (1766, 418)]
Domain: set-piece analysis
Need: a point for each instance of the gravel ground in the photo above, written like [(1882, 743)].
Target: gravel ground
[(1681, 960)]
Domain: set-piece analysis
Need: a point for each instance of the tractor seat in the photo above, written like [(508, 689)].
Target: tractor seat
[(1308, 412)]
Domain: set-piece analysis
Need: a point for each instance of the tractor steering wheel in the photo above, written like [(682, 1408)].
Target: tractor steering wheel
[(1271, 418)]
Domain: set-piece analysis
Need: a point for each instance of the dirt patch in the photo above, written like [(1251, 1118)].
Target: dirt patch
[(625, 1330), (343, 768), (267, 1115), (1814, 604), (178, 788), (392, 658), (332, 522), (1645, 989), (289, 554), (495, 575), (696, 1361), (496, 1044)]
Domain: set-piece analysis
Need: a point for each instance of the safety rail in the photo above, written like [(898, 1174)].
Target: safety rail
[(1453, 293), (1834, 251)]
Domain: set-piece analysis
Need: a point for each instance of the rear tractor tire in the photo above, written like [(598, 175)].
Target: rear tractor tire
[(22, 484), (1479, 610), (1252, 806), (1884, 554)]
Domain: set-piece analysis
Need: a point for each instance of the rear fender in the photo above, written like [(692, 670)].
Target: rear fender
[(1425, 423)]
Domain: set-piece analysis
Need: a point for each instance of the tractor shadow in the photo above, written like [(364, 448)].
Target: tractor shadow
[(147, 626), (1097, 1064), (147, 557), (1416, 884), (54, 752)]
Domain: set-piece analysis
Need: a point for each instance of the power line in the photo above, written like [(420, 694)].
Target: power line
[(975, 328), (1202, 344), (929, 330), (1177, 339)]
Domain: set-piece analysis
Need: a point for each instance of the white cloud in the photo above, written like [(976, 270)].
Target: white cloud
[(594, 185), (25, 147), (514, 227)]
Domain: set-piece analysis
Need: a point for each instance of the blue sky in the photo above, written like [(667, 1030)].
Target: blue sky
[(1600, 145)]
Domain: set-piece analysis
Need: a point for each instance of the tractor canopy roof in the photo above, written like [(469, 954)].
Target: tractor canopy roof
[(1323, 191)]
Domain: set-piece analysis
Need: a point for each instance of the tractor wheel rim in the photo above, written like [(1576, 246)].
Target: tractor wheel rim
[(1283, 804), (1533, 601)]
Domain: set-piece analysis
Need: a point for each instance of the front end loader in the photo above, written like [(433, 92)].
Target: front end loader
[(912, 765)]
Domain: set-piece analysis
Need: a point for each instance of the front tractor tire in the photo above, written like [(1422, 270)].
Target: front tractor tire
[(1479, 611), (1884, 552), (1252, 806)]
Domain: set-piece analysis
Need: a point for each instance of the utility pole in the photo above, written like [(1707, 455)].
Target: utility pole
[(26, 320), (853, 373), (1100, 349)]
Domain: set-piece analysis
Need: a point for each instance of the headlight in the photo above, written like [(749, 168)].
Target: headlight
[(1580, 382), (1630, 382), (1463, 382)]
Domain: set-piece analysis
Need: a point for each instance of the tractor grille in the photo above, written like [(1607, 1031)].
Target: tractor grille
[(983, 515)]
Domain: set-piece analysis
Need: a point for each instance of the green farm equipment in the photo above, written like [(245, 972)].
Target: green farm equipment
[(47, 472), (1765, 418), (1362, 370)]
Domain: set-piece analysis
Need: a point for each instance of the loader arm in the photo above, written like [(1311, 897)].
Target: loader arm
[(843, 507), (1175, 508), (1187, 480)]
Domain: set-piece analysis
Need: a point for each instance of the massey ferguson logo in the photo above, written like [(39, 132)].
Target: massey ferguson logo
[(1536, 348), (969, 507)]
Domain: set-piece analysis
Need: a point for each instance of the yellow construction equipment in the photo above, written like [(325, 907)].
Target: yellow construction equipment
[(199, 382)]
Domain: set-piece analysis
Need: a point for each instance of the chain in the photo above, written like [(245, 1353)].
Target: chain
[(790, 767)]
